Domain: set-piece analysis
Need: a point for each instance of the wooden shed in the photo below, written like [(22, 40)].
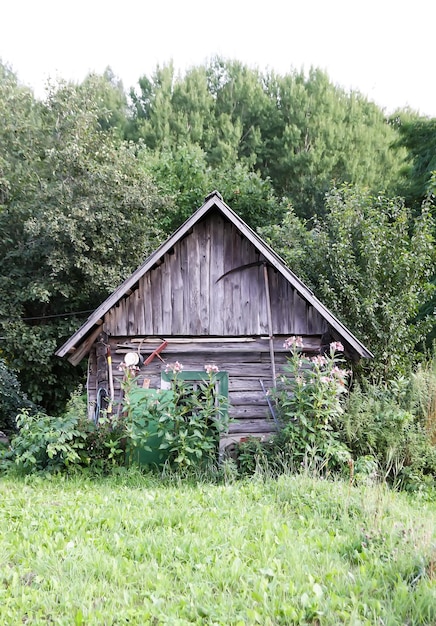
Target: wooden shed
[(216, 293)]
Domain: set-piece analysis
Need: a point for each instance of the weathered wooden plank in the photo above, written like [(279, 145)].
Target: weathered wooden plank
[(145, 286), (252, 426), (247, 384), (216, 317), (300, 319), (259, 302), (115, 319), (226, 344), (130, 315), (183, 321), (280, 309), (176, 262), (156, 303), (204, 237), (245, 397), (84, 348), (166, 295), (248, 278), (192, 284), (138, 312)]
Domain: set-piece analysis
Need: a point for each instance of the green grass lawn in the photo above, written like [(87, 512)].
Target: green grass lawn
[(136, 550)]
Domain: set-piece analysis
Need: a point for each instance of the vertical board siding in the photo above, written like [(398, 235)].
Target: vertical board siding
[(188, 294), (204, 278), (217, 299)]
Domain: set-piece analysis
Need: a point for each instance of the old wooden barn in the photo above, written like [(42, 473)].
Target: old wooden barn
[(216, 293)]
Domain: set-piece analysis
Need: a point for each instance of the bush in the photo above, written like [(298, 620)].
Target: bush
[(46, 443), (184, 422), (12, 399), (382, 432), (308, 400), (181, 424), (384, 424)]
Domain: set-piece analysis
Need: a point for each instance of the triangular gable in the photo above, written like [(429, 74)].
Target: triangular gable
[(213, 201)]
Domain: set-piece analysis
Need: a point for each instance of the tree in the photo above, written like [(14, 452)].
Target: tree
[(418, 136), (20, 121), (300, 132), (68, 242), (185, 176), (371, 261), (110, 95)]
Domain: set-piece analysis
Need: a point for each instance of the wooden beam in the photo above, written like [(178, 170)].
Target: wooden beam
[(270, 327)]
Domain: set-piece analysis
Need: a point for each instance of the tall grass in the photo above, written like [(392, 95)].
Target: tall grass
[(133, 549), (424, 393)]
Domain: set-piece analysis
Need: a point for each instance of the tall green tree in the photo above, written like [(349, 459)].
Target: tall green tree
[(371, 261), (20, 116), (300, 132), (185, 176), (69, 240), (418, 136), (111, 97)]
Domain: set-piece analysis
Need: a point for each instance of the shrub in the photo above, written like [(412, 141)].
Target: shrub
[(46, 443), (12, 399), (384, 423), (308, 400), (183, 422)]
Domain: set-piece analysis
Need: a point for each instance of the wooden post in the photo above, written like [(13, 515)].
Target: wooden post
[(270, 328)]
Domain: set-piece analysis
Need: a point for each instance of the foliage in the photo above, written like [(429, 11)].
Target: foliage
[(308, 402), (81, 215), (12, 399), (299, 131), (422, 396), (183, 174), (183, 422), (380, 424), (371, 263), (272, 552), (418, 135), (113, 101), (46, 443), (53, 444), (182, 425), (383, 432)]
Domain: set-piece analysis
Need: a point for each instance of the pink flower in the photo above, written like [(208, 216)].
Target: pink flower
[(211, 369), (339, 373), (336, 346), (128, 369), (325, 380), (293, 342), (175, 368), (319, 360)]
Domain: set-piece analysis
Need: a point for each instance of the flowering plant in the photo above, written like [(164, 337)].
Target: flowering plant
[(182, 423), (308, 399)]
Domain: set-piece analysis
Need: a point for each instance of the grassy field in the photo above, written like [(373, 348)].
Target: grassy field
[(136, 550)]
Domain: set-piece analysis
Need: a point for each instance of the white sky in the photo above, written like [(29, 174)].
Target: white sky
[(383, 48)]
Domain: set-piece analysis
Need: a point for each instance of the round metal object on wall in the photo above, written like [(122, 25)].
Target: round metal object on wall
[(131, 358)]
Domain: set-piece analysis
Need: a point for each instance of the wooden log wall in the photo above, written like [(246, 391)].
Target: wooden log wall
[(212, 284), (245, 359)]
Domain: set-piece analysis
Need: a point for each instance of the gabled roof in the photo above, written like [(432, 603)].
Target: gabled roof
[(213, 201)]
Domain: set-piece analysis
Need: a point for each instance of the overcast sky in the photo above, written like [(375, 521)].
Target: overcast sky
[(383, 48)]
